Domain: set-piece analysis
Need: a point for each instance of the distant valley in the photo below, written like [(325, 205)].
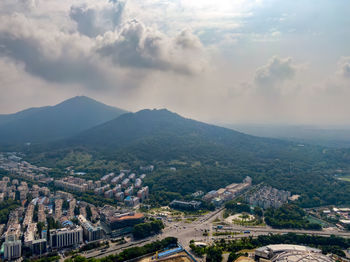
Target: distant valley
[(330, 136)]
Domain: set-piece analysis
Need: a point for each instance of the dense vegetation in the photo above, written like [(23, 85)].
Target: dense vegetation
[(288, 216), (131, 253), (51, 257), (147, 229), (214, 254), (235, 207), (52, 223), (5, 208), (93, 245)]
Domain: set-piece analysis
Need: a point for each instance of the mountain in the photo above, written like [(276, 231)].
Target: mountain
[(153, 135), (206, 157), (55, 122), (20, 115)]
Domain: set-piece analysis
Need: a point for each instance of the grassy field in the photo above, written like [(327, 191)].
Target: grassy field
[(317, 221), (344, 178)]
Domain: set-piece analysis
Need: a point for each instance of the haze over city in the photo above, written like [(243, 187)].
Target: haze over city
[(246, 61)]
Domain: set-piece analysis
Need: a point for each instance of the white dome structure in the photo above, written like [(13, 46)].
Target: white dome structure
[(301, 256), (291, 253)]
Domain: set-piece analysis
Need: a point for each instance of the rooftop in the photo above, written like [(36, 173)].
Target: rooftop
[(126, 217), (301, 256), (285, 247)]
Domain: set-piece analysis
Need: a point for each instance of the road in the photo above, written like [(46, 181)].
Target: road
[(185, 232), (114, 248)]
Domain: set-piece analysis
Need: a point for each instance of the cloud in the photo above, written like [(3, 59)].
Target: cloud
[(97, 18), (276, 71), (45, 52), (114, 60), (21, 90), (7, 6), (187, 55), (60, 57), (344, 67), (138, 46)]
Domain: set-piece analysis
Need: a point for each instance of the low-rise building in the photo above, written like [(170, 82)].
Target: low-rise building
[(132, 176), (131, 201), (267, 197), (107, 178), (117, 220), (138, 183), (72, 183), (29, 235), (109, 193), (90, 232), (125, 183), (187, 205), (129, 191), (119, 196)]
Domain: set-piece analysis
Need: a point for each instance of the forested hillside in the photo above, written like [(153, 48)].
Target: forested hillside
[(206, 157)]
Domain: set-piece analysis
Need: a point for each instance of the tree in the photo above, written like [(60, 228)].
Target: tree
[(289, 216), (199, 251), (65, 205), (40, 226), (76, 211), (35, 213), (214, 254), (233, 256), (88, 213), (258, 211), (237, 207), (5, 208), (147, 229)]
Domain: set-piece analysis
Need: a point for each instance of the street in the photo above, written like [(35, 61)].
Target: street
[(185, 232)]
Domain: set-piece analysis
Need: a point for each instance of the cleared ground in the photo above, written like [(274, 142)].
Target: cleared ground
[(238, 218), (244, 259)]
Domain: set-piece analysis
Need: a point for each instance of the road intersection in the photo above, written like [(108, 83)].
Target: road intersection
[(202, 230)]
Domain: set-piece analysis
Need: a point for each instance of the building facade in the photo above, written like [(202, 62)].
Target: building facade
[(66, 237)]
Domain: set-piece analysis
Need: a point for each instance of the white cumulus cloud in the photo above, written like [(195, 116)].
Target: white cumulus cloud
[(277, 70)]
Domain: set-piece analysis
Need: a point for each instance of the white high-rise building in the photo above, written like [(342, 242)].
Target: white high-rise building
[(12, 244), (12, 249), (66, 237)]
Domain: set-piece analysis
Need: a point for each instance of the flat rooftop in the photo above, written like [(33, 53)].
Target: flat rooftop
[(126, 217)]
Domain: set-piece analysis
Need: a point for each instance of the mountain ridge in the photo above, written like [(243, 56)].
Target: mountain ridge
[(48, 123), (160, 130)]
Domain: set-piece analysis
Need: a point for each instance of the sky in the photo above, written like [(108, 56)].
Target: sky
[(224, 61)]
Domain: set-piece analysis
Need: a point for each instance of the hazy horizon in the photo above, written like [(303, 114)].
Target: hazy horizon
[(239, 126), (242, 62)]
